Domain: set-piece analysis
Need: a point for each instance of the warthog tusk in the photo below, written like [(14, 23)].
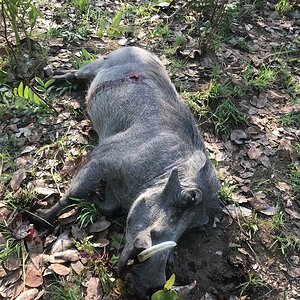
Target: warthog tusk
[(147, 253)]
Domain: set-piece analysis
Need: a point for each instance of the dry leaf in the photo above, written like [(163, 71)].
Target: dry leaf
[(264, 159), (17, 179), (15, 290), (4, 214), (285, 149), (184, 290), (40, 261), (69, 216), (45, 191), (13, 277), (101, 242), (33, 276), (28, 295), (77, 266), (283, 186), (68, 255), (94, 290), (27, 149), (48, 271), (60, 269), (50, 239), (2, 272), (259, 203), (39, 295), (236, 197), (237, 212), (62, 243), (292, 213), (270, 211), (238, 136), (294, 272), (254, 152), (12, 263), (21, 231), (78, 233), (25, 131), (99, 226)]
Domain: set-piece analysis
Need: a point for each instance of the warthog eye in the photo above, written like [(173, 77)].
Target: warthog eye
[(189, 198)]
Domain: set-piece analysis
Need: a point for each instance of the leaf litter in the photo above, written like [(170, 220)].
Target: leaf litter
[(246, 159)]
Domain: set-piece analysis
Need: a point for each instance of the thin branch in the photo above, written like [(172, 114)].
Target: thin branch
[(17, 62)]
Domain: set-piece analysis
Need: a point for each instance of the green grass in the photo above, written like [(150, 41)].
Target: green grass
[(81, 5), (11, 247), (283, 6), (226, 191), (226, 114), (287, 243), (290, 119), (88, 214), (252, 282), (196, 103), (99, 263), (260, 79), (20, 200), (294, 180), (53, 32), (278, 220), (251, 225), (67, 291)]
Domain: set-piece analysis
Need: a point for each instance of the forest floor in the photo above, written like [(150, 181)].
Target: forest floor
[(240, 76)]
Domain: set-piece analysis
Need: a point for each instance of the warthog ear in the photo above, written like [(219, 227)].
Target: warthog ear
[(190, 197), (173, 185)]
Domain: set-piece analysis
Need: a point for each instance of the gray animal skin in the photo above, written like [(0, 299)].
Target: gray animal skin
[(151, 157)]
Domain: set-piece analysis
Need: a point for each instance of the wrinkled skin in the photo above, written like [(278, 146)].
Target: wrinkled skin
[(151, 157)]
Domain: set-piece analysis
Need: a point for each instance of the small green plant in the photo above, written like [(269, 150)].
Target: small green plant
[(99, 263), (180, 40), (7, 161), (261, 79), (287, 243), (290, 119), (226, 192), (114, 28), (22, 15), (53, 32), (85, 245), (196, 103), (11, 247), (88, 212), (29, 99), (283, 6), (67, 291), (162, 31), (213, 19), (250, 283), (81, 5), (262, 185), (74, 37), (278, 221), (225, 114), (84, 58), (251, 225), (294, 179), (166, 293), (20, 200)]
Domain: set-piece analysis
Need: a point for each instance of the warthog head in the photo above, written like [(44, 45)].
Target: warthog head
[(156, 221)]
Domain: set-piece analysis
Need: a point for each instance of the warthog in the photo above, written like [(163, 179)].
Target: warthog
[(150, 156)]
